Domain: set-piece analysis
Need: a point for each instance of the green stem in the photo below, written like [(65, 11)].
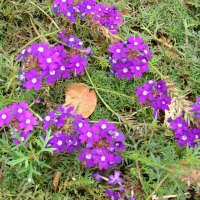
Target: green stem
[(114, 92), (37, 115), (107, 106), (45, 14), (157, 71)]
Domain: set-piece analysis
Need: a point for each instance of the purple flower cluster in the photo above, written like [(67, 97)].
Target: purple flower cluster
[(20, 119), (49, 63), (107, 16), (155, 93), (183, 134), (130, 59), (61, 122), (196, 108), (102, 141)]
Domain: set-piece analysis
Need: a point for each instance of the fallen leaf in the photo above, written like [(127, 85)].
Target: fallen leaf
[(56, 179), (82, 98)]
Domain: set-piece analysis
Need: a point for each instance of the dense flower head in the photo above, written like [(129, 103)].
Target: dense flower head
[(130, 59), (196, 108), (19, 118), (61, 122), (45, 63), (154, 93), (102, 143), (107, 16), (185, 136)]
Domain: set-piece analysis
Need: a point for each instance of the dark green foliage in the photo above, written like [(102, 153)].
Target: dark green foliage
[(151, 149)]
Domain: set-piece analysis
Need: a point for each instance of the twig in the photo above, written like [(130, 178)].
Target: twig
[(161, 42), (158, 186), (45, 13)]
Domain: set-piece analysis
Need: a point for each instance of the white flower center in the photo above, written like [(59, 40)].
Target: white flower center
[(52, 72), (144, 60), (89, 7), (145, 51), (135, 43), (29, 50), (68, 14), (62, 68), (163, 102), (125, 70), (59, 143), (159, 86), (55, 5), (179, 125), (145, 93), (80, 43), (138, 68), (80, 125), (22, 138), (47, 118), (117, 144), (103, 158), (71, 39), (49, 60), (34, 80), (103, 126), (23, 52), (77, 64), (28, 121), (88, 156), (40, 49), (116, 17), (184, 137), (116, 134), (64, 1), (114, 61), (150, 82), (118, 50), (19, 110), (89, 134), (4, 116)]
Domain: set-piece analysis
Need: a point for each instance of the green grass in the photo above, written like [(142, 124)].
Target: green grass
[(149, 153)]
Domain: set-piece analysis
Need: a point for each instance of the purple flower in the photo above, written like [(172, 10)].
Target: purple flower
[(58, 142), (18, 109), (5, 116), (118, 51), (115, 179), (49, 59), (77, 64), (23, 137), (27, 121), (130, 59), (33, 80), (49, 119), (86, 156), (145, 93), (97, 175), (51, 75), (179, 125), (196, 108), (161, 103), (112, 194)]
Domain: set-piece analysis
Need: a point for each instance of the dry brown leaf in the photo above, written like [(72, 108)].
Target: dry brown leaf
[(82, 98), (56, 179), (168, 43)]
